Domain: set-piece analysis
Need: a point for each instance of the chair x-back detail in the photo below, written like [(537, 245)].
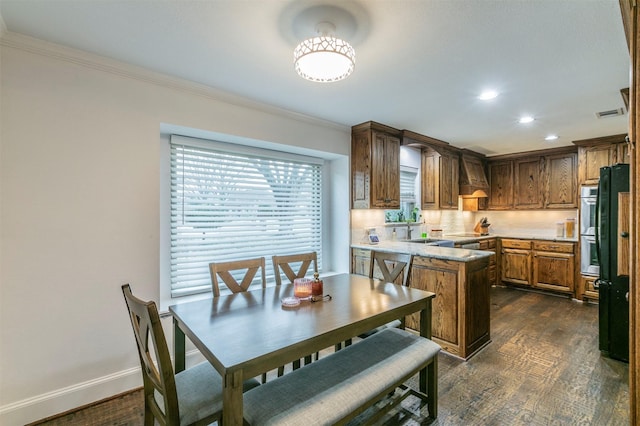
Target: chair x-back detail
[(402, 264), (191, 397), (285, 263), (223, 271)]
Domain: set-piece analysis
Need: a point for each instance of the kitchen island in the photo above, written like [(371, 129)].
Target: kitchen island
[(458, 277)]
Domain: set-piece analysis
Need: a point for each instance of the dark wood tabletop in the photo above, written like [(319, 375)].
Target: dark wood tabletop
[(248, 333)]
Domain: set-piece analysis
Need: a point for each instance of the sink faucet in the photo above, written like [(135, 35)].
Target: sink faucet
[(408, 232)]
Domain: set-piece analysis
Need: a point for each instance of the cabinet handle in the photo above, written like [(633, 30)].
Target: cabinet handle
[(624, 234)]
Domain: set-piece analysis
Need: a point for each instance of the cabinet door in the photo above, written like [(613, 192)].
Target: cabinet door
[(592, 158), (561, 184), (516, 266), (554, 271), (449, 182), (361, 170), (385, 171), (622, 153), (444, 283), (528, 183), (360, 262), (430, 180), (501, 185)]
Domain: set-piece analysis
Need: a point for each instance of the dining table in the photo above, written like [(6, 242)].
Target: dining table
[(249, 333)]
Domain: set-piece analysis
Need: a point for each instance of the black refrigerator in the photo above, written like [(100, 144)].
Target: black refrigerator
[(613, 288)]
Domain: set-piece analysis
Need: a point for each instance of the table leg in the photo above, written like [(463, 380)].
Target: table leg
[(232, 412), (425, 331), (179, 352)]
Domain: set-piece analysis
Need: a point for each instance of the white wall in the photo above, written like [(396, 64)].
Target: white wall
[(80, 210)]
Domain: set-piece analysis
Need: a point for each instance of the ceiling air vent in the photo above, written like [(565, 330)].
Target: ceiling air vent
[(610, 113)]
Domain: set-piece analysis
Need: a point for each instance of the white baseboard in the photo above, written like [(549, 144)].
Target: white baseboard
[(60, 400)]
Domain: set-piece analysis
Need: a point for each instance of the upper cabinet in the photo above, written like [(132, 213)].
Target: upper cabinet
[(600, 152), (561, 181), (500, 185), (544, 181), (375, 166), (528, 191), (440, 180)]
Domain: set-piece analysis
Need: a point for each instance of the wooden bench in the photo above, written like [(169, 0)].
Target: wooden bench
[(340, 386)]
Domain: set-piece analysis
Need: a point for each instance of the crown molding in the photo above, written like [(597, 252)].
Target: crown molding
[(100, 63)]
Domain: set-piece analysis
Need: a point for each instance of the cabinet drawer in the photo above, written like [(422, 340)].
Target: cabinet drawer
[(361, 252), (553, 246), (519, 244)]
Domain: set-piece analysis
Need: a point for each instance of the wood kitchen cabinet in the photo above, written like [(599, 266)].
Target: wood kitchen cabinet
[(588, 290), (561, 185), (492, 269), (449, 181), (375, 166), (515, 258), (460, 310), (541, 264), (360, 261), (544, 181), (501, 185), (600, 152), (554, 266), (528, 183), (440, 180)]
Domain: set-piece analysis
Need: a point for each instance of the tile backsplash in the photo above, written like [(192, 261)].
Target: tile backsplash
[(537, 222)]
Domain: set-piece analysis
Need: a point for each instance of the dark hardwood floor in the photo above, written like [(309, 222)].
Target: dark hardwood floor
[(542, 367)]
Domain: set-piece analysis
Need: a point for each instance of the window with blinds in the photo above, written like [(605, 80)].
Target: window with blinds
[(408, 186), (230, 203)]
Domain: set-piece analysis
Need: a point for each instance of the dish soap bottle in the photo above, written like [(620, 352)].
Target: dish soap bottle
[(316, 285)]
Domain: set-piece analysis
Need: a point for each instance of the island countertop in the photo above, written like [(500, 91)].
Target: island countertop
[(424, 250)]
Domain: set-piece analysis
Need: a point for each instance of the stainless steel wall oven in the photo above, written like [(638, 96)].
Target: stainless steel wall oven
[(589, 264)]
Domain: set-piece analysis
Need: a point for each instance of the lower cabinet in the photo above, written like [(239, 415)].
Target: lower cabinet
[(516, 261), (540, 264), (461, 317), (588, 291), (554, 266), (492, 269), (360, 261)]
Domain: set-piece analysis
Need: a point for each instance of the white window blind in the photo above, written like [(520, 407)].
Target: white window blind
[(408, 185), (232, 204)]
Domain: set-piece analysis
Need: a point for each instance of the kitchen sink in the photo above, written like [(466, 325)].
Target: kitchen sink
[(433, 242)]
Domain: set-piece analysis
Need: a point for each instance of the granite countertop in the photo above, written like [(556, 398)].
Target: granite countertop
[(468, 238), (454, 254), (424, 250)]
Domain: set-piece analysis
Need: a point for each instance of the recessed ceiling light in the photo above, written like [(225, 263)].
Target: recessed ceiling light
[(551, 138), (488, 95), (525, 119)]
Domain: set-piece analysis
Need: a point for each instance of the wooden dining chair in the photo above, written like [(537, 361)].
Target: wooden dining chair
[(191, 397), (251, 267), (288, 262), (223, 270), (301, 263), (400, 263), (395, 268)]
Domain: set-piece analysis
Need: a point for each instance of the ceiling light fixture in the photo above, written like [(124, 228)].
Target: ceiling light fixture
[(525, 119), (324, 58), (487, 95), (551, 138)]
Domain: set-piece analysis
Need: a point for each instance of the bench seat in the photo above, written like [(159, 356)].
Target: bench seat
[(342, 385)]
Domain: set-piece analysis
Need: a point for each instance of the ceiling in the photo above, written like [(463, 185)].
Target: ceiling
[(420, 65)]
